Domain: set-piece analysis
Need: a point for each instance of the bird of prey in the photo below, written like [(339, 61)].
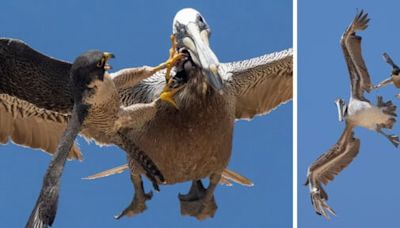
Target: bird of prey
[(36, 100), (37, 115), (394, 76), (195, 141), (86, 70), (359, 112)]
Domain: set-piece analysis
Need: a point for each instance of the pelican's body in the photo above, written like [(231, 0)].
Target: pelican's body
[(363, 114), (194, 141)]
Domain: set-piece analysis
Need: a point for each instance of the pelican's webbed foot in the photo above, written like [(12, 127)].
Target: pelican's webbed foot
[(200, 202), (389, 109), (394, 139), (138, 204)]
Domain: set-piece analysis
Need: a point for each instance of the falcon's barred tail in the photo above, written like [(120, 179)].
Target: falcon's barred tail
[(135, 154)]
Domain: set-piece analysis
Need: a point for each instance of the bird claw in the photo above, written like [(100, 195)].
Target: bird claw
[(137, 206), (173, 60), (167, 95), (174, 57)]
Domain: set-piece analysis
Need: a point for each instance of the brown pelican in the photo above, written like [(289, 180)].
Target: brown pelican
[(359, 112), (394, 76), (195, 141)]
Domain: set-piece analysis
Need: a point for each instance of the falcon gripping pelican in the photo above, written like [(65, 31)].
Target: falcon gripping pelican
[(188, 142)]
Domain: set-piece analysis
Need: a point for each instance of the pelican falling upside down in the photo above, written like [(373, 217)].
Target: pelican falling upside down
[(359, 112), (195, 141)]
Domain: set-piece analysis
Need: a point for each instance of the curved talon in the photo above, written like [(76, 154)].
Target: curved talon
[(171, 63), (173, 58), (167, 95)]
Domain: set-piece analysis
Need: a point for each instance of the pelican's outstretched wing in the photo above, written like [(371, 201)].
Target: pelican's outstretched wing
[(35, 97), (260, 84), (145, 91), (351, 46), (327, 166)]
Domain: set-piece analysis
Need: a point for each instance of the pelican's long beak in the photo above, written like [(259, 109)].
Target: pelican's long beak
[(196, 42), (340, 107)]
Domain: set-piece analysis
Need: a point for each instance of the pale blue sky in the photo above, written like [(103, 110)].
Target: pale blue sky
[(366, 194), (137, 32)]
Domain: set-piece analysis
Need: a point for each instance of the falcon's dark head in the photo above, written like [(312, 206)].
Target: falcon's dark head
[(192, 34), (88, 68)]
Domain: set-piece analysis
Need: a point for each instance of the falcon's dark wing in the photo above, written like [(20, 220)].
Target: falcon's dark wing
[(35, 97)]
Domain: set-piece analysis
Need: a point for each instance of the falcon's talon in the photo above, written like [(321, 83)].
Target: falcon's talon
[(167, 95), (171, 63), (173, 58)]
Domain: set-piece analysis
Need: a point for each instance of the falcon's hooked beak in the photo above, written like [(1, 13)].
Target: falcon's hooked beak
[(192, 32), (103, 63), (106, 57)]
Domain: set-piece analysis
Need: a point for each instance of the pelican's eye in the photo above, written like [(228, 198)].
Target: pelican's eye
[(201, 22)]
